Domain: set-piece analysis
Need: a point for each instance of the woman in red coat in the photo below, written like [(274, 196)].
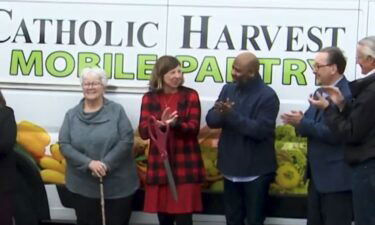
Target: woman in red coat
[(178, 107)]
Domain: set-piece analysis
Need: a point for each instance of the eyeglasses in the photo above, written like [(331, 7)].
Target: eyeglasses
[(91, 84), (317, 66)]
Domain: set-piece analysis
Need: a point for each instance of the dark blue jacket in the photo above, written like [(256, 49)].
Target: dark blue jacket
[(246, 145), (325, 155)]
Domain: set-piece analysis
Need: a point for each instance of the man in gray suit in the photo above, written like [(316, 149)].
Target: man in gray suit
[(330, 196)]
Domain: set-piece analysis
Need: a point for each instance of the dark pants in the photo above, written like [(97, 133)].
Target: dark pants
[(329, 208), (364, 193), (6, 207), (180, 219), (88, 211), (246, 200)]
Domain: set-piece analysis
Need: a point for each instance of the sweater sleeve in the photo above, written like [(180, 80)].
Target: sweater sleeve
[(72, 155)]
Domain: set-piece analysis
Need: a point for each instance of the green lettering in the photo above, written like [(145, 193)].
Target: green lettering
[(18, 60), (209, 68), (295, 68), (119, 67), (87, 59), (188, 63), (107, 64), (228, 76), (51, 64), (267, 68), (144, 68)]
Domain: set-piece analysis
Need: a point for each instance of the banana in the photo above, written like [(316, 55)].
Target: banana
[(55, 152), (52, 176), (32, 138), (47, 162)]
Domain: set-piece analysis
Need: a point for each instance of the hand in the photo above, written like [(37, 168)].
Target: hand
[(293, 118), (224, 107), (335, 95), (98, 169), (318, 101), (168, 117)]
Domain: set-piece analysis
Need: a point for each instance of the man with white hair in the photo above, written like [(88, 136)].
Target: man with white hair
[(354, 122)]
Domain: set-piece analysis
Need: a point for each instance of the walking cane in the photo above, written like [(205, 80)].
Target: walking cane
[(102, 204)]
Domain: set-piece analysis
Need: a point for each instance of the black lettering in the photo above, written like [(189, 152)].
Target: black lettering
[(335, 31), (291, 38), (251, 39), (314, 39), (25, 32), (141, 31), (71, 31), (98, 33), (10, 16), (130, 34), (188, 31), (42, 29), (267, 37), (108, 36), (227, 40)]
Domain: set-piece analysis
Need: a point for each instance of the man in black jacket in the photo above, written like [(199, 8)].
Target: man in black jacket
[(246, 110)]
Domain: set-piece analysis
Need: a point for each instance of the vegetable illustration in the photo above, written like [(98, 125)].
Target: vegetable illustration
[(32, 138)]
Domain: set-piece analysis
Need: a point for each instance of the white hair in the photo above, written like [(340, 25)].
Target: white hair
[(368, 44), (94, 70)]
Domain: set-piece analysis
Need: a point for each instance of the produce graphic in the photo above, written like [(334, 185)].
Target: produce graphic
[(291, 160), (140, 153), (32, 138), (208, 139), (287, 176), (32, 141)]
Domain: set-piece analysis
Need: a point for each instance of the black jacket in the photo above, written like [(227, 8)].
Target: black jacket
[(8, 133), (356, 123)]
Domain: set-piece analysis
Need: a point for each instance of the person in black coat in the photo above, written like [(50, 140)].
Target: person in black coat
[(8, 133)]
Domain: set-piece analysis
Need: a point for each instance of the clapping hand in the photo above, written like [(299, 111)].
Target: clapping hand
[(168, 117), (335, 95), (293, 118), (224, 107), (318, 101)]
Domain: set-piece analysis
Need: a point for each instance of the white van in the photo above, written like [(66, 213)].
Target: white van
[(45, 43)]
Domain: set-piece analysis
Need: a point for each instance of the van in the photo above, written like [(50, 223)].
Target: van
[(46, 43)]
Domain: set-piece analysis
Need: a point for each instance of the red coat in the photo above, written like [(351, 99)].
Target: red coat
[(183, 148)]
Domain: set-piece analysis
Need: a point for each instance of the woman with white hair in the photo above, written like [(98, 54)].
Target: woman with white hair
[(96, 139)]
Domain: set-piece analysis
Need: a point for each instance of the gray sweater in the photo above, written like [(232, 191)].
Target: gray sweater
[(105, 135)]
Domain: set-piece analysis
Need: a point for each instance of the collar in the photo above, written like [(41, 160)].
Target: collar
[(338, 80), (358, 85), (251, 85), (100, 116)]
